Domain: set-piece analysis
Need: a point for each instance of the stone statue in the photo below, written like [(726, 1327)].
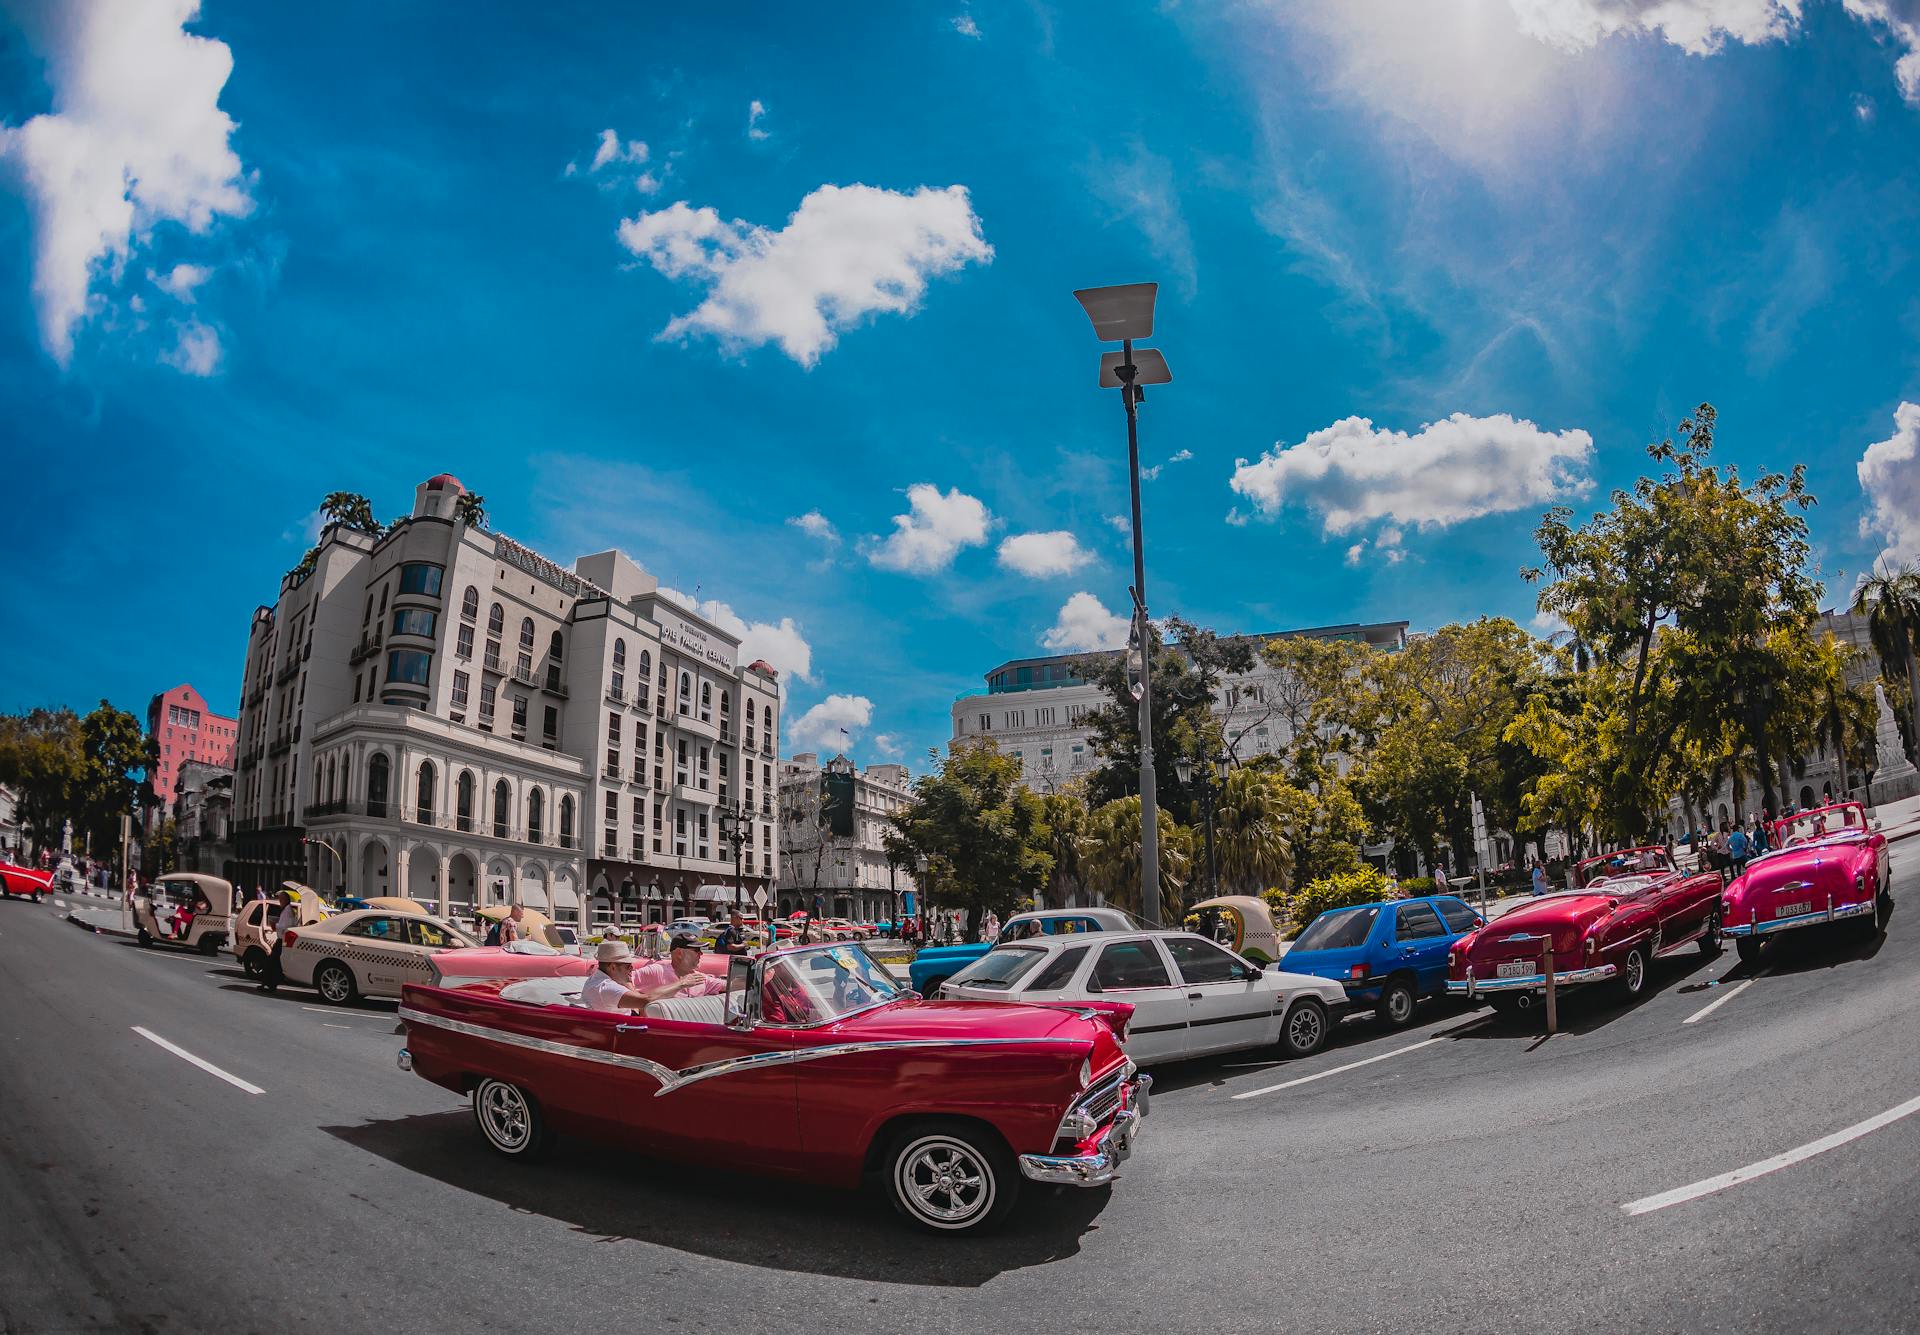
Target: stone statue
[(66, 837), (1894, 775)]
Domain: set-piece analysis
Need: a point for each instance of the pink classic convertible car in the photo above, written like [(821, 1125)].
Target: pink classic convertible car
[(949, 1105), (1827, 866)]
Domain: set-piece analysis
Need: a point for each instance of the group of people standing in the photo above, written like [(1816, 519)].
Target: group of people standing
[(1731, 847)]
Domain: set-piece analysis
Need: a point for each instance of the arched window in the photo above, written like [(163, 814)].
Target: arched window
[(706, 696), (333, 776), (502, 811), (646, 662), (555, 647), (496, 618), (346, 776), (423, 794), (534, 805), (726, 703), (620, 653), (377, 771), (470, 604), (766, 720), (566, 822), (526, 633), (463, 813)]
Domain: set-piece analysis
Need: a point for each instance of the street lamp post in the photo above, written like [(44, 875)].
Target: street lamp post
[(1122, 314), (1184, 768), (734, 827), (339, 862)]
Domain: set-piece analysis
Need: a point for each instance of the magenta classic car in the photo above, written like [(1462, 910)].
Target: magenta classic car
[(814, 1065), (1827, 866), (26, 882), (1610, 931)]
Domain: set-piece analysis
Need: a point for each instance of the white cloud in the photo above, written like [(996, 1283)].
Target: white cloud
[(932, 532), (887, 744), (1140, 188), (819, 728), (1863, 106), (136, 138), (816, 525), (1042, 554), (1235, 519), (611, 151), (181, 280), (1085, 624), (1355, 552), (1548, 624), (846, 253), (1459, 468), (1890, 476), (1120, 524), (965, 26), (1181, 457), (756, 112), (1151, 474), (197, 350), (781, 644), (1698, 27), (1901, 18)]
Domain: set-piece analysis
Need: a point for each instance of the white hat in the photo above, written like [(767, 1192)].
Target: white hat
[(614, 951)]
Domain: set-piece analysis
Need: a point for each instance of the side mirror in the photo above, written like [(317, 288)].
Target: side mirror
[(743, 992)]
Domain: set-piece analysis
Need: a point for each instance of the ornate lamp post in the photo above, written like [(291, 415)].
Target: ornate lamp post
[(736, 827), (1221, 764)]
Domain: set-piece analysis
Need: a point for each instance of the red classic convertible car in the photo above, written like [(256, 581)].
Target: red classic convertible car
[(1610, 931), (24, 881), (948, 1104), (1827, 866)]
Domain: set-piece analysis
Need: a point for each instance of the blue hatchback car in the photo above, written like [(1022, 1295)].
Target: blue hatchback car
[(1387, 955)]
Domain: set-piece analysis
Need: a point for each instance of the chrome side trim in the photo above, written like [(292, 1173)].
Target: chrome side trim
[(1561, 978), (1815, 919), (671, 1079)]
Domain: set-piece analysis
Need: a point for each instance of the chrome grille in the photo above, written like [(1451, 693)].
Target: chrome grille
[(1103, 1100)]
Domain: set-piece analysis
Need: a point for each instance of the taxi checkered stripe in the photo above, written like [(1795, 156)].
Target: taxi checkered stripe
[(400, 959)]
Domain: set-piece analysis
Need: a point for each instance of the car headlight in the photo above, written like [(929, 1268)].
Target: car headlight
[(1086, 1072)]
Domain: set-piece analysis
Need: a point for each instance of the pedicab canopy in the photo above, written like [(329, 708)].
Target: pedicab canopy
[(1241, 923), (179, 885), (312, 907)]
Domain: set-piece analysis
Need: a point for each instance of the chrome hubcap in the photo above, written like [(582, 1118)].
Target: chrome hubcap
[(1304, 1027), (503, 1115), (944, 1182), (1635, 972)]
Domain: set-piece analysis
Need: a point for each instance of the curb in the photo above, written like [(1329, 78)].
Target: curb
[(99, 931)]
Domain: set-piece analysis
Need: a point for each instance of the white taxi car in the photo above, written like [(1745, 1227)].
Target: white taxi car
[(1190, 997), (366, 953)]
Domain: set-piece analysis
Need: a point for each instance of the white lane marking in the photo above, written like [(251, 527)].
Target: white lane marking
[(1707, 1186), (1339, 1070), (1722, 1000), (59, 903), (206, 1066)]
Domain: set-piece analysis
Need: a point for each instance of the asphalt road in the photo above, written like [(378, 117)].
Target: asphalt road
[(1473, 1178)]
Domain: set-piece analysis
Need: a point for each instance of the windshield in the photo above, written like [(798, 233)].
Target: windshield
[(1814, 825), (1339, 927), (1000, 968), (816, 986), (1640, 861)]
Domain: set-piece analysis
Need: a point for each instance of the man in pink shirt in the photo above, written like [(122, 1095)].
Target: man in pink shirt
[(682, 963)]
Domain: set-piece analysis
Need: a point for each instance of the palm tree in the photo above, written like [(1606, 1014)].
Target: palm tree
[(1891, 600), (350, 510), (1111, 855), (1249, 823), (1066, 817), (472, 509), (1844, 714)]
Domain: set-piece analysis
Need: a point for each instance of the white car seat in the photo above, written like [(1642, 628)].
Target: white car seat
[(693, 1010)]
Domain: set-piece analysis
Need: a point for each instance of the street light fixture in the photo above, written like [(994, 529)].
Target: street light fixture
[(1222, 765), (736, 828), (1125, 313)]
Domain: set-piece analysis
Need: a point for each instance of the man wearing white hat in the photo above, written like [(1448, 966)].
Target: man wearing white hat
[(610, 986)]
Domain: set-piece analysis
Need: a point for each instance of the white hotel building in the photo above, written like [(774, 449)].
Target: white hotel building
[(1035, 709), (442, 713)]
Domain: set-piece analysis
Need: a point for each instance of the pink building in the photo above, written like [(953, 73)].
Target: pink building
[(184, 729)]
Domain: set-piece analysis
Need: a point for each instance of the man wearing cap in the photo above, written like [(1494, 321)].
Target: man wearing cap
[(615, 985), (679, 973)]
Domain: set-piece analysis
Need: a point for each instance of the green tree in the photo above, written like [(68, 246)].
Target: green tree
[(983, 833), (349, 509), (1065, 812), (113, 751), (1250, 833), (472, 509), (42, 761), (1891, 601), (1112, 856)]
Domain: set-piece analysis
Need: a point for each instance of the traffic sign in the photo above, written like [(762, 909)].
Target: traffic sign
[(760, 897)]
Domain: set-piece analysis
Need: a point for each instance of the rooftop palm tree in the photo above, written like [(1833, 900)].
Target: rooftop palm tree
[(1890, 599), (351, 510), (472, 509)]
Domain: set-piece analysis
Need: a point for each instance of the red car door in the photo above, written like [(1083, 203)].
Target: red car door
[(716, 1091)]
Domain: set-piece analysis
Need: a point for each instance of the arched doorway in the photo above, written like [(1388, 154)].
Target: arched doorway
[(378, 773), (423, 875), (1806, 796), (499, 886), (374, 870), (601, 903), (462, 877)]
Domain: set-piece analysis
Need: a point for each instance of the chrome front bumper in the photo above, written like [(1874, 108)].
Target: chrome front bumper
[(1832, 913), (1532, 982), (1101, 1164)]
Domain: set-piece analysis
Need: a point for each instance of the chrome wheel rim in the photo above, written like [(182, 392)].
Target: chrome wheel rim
[(1303, 1029), (1636, 972), (333, 984), (944, 1181), (504, 1116)]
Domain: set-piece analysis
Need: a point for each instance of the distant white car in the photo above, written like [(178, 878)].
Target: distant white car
[(1190, 996)]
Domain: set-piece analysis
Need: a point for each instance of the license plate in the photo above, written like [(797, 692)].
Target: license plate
[(1515, 969), (1793, 910)]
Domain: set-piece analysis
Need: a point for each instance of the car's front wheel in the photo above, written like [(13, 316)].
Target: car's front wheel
[(1748, 949), (1633, 974), (334, 982), (951, 1177), (510, 1120), (1397, 1001), (1304, 1031), (143, 936), (254, 963), (1710, 938)]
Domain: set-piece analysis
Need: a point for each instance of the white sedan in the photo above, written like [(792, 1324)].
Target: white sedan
[(1190, 996)]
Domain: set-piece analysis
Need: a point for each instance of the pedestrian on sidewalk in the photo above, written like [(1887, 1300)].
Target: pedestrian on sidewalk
[(284, 921), (1539, 878)]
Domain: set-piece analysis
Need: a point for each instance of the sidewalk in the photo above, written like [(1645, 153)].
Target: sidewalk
[(107, 922)]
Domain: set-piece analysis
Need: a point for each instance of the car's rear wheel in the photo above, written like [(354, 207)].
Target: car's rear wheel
[(141, 935), (1304, 1031), (1633, 974), (210, 944), (951, 1177), (1748, 949), (37, 895), (932, 989), (334, 982), (1397, 1001), (510, 1120), (254, 962), (1710, 943), (1506, 1003)]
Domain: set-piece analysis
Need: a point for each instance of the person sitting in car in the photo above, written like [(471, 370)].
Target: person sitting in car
[(616, 985), (679, 973)]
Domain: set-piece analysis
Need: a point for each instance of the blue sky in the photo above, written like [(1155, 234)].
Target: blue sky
[(798, 334)]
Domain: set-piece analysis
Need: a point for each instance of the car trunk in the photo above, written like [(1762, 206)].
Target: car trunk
[(1516, 935), (1790, 885)]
